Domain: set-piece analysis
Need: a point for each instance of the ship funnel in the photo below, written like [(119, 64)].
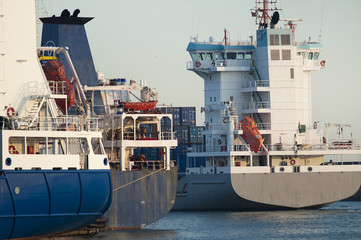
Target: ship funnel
[(69, 31)]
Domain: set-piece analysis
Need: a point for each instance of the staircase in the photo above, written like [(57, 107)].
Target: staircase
[(256, 96), (32, 114)]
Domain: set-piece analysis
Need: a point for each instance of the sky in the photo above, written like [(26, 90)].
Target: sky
[(147, 40)]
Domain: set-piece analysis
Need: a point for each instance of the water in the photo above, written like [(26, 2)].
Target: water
[(338, 221)]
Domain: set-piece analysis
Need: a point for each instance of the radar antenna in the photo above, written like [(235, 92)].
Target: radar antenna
[(262, 12), (290, 23)]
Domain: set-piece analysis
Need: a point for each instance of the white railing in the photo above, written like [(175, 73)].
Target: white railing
[(217, 127), (206, 64), (263, 126), (145, 164), (168, 136), (257, 105), (241, 148), (30, 90), (274, 147), (70, 123), (57, 87), (310, 147), (203, 148), (257, 83), (238, 126)]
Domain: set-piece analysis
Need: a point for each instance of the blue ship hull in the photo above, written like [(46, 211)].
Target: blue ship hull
[(37, 203)]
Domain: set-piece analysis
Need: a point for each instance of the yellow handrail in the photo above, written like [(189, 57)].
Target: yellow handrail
[(47, 58)]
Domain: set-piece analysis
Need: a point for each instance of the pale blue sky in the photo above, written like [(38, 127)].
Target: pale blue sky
[(143, 39)]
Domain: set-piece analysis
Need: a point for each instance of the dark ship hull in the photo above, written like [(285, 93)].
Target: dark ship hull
[(140, 197)]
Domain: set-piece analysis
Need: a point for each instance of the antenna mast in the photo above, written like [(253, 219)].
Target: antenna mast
[(225, 39), (262, 12)]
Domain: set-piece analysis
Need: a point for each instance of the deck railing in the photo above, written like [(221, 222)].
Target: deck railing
[(69, 123)]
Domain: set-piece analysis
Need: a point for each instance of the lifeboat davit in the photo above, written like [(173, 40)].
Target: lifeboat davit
[(251, 134), (139, 106), (59, 84)]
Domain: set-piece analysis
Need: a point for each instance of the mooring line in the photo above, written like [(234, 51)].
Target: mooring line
[(137, 179)]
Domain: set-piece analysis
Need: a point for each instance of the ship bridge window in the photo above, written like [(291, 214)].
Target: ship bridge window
[(248, 56), (56, 146), (36, 145), (205, 56), (274, 39), (97, 146), (194, 56), (16, 145), (231, 55), (285, 39), (240, 56), (316, 55), (217, 56), (310, 56), (78, 146), (208, 56)]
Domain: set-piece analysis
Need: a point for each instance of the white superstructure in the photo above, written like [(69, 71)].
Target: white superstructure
[(132, 127), (270, 82), (35, 134)]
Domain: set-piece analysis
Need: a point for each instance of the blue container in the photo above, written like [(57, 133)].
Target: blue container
[(176, 116), (181, 149), (123, 81), (188, 116), (182, 134), (195, 134), (181, 163)]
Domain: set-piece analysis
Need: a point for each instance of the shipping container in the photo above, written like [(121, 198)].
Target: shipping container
[(182, 134), (188, 116), (181, 163), (176, 116), (195, 134)]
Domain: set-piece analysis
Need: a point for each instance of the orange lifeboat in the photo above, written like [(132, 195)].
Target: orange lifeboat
[(251, 134), (139, 106), (59, 84)]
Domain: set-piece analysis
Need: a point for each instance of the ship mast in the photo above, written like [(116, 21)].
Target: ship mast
[(262, 12)]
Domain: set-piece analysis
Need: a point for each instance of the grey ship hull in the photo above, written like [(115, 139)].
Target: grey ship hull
[(355, 197), (259, 192), (140, 197)]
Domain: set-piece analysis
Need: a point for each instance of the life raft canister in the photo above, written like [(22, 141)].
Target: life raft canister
[(11, 112)]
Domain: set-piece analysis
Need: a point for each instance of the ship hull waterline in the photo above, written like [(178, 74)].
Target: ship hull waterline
[(263, 192)]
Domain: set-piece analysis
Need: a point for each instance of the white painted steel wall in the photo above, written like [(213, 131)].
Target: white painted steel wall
[(19, 65)]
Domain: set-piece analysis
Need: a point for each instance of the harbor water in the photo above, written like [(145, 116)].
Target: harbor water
[(340, 220)]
